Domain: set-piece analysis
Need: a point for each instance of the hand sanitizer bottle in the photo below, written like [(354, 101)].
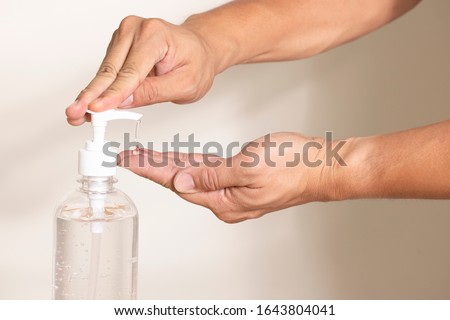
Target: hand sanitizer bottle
[(96, 228)]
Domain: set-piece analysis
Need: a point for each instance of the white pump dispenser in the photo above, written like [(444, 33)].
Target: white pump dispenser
[(92, 158), (97, 226)]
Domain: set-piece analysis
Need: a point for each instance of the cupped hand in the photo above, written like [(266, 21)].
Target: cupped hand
[(147, 61), (271, 173)]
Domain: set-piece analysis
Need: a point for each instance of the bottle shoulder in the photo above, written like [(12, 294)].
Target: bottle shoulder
[(77, 205)]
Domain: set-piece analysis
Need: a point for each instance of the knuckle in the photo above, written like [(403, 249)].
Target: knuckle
[(150, 93), (180, 159), (227, 217), (225, 209), (107, 69), (232, 217), (191, 93), (127, 24), (191, 88), (129, 70), (240, 202), (153, 25), (210, 179)]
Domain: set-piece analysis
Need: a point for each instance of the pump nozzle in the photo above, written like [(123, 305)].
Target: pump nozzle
[(93, 161), (101, 118)]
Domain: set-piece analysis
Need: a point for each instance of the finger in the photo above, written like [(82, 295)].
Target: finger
[(111, 64), (183, 173), (76, 113), (212, 175), (113, 61), (220, 201), (162, 168), (156, 166), (168, 87), (140, 61), (76, 122)]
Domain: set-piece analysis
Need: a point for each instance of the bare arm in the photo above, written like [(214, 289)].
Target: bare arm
[(408, 164), (150, 60), (267, 30)]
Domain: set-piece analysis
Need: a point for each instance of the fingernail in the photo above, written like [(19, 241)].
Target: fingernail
[(127, 102), (185, 183), (119, 160)]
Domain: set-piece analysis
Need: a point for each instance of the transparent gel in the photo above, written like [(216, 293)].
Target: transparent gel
[(95, 253)]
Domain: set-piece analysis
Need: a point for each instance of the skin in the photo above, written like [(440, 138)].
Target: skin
[(236, 190), (150, 61)]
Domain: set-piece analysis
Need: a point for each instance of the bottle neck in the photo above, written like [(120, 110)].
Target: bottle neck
[(97, 184)]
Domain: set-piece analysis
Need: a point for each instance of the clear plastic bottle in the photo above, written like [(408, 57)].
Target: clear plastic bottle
[(96, 227), (95, 253)]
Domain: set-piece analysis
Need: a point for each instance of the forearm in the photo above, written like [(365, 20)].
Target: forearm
[(409, 164), (266, 30)]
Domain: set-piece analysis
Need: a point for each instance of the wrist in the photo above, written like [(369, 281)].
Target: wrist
[(222, 49), (354, 178)]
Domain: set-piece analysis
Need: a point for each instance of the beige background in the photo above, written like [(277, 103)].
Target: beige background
[(393, 79)]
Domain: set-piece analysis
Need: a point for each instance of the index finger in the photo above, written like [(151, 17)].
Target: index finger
[(142, 57), (116, 54)]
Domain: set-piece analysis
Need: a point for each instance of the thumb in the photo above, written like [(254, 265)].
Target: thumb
[(207, 178), (162, 88)]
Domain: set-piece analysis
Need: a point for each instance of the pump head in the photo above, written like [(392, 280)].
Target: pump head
[(93, 162)]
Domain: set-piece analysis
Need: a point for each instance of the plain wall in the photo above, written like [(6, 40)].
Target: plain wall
[(393, 79)]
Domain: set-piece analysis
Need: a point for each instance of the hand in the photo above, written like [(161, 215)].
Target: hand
[(269, 174), (147, 61)]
